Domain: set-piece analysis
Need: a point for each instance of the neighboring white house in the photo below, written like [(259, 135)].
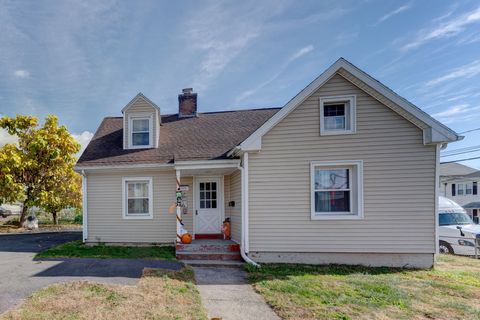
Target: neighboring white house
[(345, 172), (460, 184)]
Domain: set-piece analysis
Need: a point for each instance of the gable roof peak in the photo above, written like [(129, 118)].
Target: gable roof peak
[(142, 96)]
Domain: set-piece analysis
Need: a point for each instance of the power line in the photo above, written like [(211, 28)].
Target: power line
[(460, 160), (476, 129), (461, 149), (458, 153)]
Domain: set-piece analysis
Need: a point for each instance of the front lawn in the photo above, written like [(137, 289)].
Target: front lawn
[(76, 249), (160, 294), (450, 291)]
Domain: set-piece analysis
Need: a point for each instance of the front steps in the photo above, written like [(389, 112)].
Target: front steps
[(205, 251)]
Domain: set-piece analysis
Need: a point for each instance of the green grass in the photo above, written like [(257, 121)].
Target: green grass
[(450, 291), (76, 249)]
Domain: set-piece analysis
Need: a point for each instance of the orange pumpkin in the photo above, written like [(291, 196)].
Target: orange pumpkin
[(186, 238)]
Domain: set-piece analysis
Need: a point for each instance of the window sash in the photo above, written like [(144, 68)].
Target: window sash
[(133, 195), (141, 136), (337, 115), (468, 188), (333, 191), (460, 189)]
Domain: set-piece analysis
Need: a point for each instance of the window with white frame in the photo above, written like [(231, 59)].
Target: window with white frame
[(336, 190), (461, 189), (137, 198), (140, 131), (337, 115), (468, 188)]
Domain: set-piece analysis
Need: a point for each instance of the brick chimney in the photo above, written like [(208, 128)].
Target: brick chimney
[(187, 103)]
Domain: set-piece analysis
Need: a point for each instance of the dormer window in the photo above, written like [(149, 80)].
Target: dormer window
[(337, 115), (140, 131)]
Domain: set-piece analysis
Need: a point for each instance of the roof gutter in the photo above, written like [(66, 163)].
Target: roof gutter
[(84, 207)]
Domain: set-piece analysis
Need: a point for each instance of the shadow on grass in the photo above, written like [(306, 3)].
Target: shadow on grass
[(284, 271)]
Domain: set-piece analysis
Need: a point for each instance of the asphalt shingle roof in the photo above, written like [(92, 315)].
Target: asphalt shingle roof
[(208, 136)]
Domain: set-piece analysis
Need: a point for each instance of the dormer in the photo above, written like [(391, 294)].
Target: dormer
[(141, 123)]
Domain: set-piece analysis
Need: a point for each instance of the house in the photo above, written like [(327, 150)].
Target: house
[(345, 172), (460, 184)]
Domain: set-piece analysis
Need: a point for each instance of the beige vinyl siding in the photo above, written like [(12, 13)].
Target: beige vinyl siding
[(398, 179), (141, 106), (235, 213), (105, 219)]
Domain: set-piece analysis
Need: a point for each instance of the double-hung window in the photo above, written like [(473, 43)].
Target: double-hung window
[(137, 198), (337, 115), (461, 189), (140, 131), (336, 190)]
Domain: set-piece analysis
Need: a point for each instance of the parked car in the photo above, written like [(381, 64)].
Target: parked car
[(457, 231), (10, 209)]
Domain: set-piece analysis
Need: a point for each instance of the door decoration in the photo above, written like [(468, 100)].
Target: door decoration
[(182, 233)]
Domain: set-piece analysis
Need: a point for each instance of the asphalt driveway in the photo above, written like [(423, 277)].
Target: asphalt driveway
[(21, 275)]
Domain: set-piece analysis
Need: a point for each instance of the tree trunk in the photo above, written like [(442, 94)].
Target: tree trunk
[(54, 215), (23, 216)]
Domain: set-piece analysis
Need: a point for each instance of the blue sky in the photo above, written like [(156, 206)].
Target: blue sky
[(84, 60)]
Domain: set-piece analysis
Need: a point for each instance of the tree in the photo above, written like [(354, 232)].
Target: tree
[(66, 191), (32, 170)]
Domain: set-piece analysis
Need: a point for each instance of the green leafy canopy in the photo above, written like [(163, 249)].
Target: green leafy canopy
[(38, 170)]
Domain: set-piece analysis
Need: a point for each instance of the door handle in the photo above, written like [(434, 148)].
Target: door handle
[(196, 212)]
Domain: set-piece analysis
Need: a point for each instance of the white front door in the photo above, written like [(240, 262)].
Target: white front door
[(209, 197)]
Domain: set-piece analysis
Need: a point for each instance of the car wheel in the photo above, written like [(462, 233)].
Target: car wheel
[(445, 248)]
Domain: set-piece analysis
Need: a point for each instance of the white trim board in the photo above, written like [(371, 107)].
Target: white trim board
[(436, 133), (138, 96)]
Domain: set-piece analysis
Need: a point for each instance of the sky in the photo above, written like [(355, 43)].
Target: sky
[(84, 60)]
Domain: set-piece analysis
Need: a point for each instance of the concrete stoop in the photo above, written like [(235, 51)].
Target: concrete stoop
[(205, 251)]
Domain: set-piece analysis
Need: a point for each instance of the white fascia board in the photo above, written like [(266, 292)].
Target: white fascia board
[(207, 164), (254, 141), (125, 166), (138, 96)]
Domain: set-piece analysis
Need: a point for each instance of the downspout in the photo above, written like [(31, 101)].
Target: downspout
[(244, 240), (84, 207)]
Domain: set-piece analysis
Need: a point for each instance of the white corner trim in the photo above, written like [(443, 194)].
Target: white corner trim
[(254, 141), (358, 214), (138, 96), (352, 100), (125, 214), (140, 116), (84, 207), (436, 195)]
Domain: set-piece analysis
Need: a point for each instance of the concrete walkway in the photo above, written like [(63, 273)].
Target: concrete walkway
[(227, 295)]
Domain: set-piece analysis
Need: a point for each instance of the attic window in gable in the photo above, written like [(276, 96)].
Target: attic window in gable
[(337, 115), (140, 132)]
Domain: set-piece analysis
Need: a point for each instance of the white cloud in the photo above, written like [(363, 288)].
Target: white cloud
[(5, 138), (446, 29), (394, 13), (83, 138), (22, 74), (295, 56), (467, 71), (462, 112)]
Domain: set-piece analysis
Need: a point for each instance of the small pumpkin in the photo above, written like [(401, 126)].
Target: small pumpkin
[(186, 238)]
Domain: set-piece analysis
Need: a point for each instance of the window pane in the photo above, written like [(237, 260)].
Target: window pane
[(202, 195), (207, 204), (202, 186), (140, 125), (331, 110), (460, 189), (202, 204), (214, 204), (468, 189), (335, 123), (332, 179), (140, 139), (214, 186), (138, 189), (214, 195), (208, 196), (137, 206), (332, 201)]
